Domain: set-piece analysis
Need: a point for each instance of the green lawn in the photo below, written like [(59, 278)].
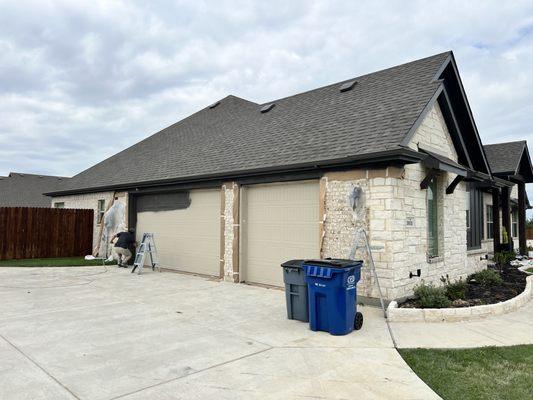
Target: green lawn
[(530, 270), (52, 262), (488, 373)]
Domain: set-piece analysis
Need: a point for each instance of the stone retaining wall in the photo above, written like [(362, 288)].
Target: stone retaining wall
[(395, 314)]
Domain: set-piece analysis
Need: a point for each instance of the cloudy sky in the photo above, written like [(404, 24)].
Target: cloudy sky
[(81, 80)]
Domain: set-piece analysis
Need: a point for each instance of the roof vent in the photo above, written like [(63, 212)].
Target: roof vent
[(347, 86), (214, 104), (267, 107)]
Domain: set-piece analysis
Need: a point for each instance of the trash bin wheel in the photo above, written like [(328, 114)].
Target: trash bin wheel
[(358, 323)]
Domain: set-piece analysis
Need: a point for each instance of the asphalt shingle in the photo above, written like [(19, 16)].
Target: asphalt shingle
[(504, 157), (315, 126), (26, 190)]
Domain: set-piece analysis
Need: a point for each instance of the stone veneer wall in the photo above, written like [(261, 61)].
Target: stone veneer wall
[(395, 214), (90, 201), (454, 260), (228, 231), (378, 209)]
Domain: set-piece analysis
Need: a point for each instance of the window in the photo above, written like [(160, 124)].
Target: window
[(433, 225), (101, 210), (59, 204), (490, 222), (468, 212), (514, 225)]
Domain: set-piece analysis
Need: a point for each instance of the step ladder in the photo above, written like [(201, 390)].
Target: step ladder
[(147, 247), (361, 242)]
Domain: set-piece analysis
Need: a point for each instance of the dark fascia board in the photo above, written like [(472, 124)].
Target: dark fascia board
[(502, 182), (468, 109), (407, 139), (440, 93), (525, 153), (437, 77), (484, 181), (450, 60), (397, 156), (455, 126), (433, 162)]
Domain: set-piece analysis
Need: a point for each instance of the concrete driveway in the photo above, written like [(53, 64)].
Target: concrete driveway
[(103, 333)]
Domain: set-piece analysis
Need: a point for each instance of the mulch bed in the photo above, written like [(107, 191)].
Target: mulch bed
[(514, 283)]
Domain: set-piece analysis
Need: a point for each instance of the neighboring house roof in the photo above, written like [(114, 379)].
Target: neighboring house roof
[(505, 157), (318, 128), (26, 190), (510, 159)]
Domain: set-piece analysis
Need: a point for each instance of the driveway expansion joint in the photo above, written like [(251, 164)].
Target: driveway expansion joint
[(39, 366)]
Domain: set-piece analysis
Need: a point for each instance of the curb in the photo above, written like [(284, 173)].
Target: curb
[(395, 314)]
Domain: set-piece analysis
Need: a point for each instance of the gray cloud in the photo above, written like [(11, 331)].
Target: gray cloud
[(83, 80)]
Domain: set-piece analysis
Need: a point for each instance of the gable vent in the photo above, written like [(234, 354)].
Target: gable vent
[(214, 104), (267, 107), (347, 86)]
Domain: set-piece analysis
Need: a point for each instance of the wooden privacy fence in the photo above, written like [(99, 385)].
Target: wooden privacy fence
[(27, 232)]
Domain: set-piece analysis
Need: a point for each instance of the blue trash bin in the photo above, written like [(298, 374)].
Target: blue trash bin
[(332, 293)]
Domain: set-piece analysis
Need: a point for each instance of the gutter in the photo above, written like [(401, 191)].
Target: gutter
[(398, 155)]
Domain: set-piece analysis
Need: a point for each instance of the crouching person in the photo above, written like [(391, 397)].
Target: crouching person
[(125, 240)]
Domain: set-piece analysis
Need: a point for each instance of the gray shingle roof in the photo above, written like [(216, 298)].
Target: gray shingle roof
[(26, 190), (504, 157), (315, 126)]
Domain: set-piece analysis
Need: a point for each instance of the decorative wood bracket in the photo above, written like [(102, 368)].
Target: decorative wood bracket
[(453, 185), (427, 180)]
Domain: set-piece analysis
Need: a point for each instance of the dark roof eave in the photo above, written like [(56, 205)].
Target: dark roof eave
[(400, 155)]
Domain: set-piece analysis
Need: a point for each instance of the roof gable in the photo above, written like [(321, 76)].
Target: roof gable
[(510, 159), (457, 114)]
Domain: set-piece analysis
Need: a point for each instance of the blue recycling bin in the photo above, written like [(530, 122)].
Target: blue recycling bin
[(331, 285)]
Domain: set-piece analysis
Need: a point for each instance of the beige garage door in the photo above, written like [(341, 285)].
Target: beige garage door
[(187, 239), (279, 223)]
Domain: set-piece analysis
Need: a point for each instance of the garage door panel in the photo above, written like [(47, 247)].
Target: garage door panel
[(187, 239), (280, 222)]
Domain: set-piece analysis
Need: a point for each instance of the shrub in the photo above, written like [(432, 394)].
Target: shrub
[(430, 296), (487, 277), (455, 290), (504, 257)]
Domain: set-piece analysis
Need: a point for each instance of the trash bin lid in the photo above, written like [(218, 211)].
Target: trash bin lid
[(293, 263), (333, 263)]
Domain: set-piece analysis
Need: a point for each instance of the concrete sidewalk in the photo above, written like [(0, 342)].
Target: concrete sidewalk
[(502, 330), (103, 333)]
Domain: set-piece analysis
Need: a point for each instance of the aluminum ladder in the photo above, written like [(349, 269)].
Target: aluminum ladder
[(357, 245), (147, 247)]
